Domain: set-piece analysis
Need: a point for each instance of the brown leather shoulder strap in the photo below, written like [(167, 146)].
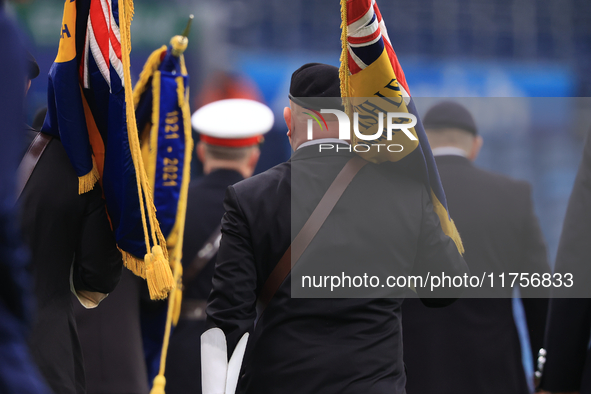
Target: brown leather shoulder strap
[(30, 159), (308, 232), (205, 254)]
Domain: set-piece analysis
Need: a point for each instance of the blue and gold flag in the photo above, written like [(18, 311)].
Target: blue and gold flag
[(90, 108), (370, 73), (161, 98)]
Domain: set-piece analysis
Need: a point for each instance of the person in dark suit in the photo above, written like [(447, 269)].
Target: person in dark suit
[(322, 345), (567, 366), (73, 250), (230, 133), (473, 346)]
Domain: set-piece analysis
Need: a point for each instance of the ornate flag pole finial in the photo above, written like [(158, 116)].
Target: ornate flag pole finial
[(179, 43)]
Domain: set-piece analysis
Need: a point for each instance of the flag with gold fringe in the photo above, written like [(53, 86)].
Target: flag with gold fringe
[(90, 108), (372, 81), (161, 99)]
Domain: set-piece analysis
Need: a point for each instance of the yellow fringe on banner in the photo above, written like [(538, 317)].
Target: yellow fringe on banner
[(183, 97), (149, 69), (86, 182), (158, 273), (344, 69), (153, 145), (134, 264)]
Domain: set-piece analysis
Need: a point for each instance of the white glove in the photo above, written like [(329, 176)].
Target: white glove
[(218, 376)]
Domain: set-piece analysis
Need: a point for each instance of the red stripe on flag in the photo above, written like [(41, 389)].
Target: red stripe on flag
[(115, 43), (396, 66), (100, 28), (376, 10), (356, 9), (365, 39)]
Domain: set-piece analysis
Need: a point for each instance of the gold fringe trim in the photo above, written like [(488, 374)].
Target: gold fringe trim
[(183, 66), (133, 264), (153, 155), (149, 69), (344, 68), (158, 273), (86, 182)]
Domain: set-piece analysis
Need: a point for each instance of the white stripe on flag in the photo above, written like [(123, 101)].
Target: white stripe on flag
[(86, 81), (98, 56), (356, 59), (361, 22)]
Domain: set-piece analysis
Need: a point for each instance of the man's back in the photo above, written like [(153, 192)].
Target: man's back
[(473, 346), (204, 212), (344, 345)]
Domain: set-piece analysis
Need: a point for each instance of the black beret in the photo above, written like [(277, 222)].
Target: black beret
[(449, 114), (319, 82), (32, 66)]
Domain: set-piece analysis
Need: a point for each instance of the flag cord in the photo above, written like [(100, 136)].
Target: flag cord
[(158, 273), (125, 60)]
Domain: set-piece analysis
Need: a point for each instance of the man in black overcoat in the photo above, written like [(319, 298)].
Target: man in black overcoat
[(473, 346), (323, 345)]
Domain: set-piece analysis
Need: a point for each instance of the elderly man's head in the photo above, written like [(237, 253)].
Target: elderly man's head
[(448, 124), (314, 86)]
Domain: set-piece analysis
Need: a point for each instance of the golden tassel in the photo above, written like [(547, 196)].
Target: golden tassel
[(158, 275)]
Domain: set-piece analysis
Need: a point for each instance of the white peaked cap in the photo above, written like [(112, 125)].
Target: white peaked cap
[(233, 122)]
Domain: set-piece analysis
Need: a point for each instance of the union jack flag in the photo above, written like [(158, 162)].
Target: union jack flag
[(103, 42), (87, 110), (368, 37), (370, 70)]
